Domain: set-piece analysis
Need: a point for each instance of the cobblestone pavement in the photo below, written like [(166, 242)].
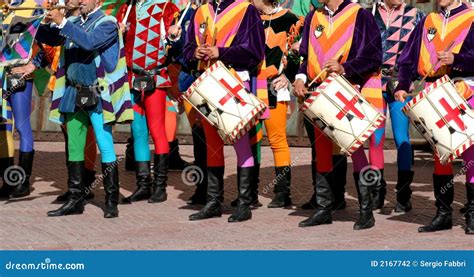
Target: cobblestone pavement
[(166, 226)]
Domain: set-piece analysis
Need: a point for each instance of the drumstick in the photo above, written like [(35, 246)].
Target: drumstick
[(129, 8), (429, 71), (301, 99), (325, 69), (437, 63), (214, 41), (184, 13), (317, 77), (203, 41)]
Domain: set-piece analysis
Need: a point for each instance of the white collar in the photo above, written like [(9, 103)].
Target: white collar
[(330, 12)]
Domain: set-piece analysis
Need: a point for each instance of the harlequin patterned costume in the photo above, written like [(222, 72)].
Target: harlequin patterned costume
[(328, 35), (396, 25), (281, 27), (145, 50), (432, 35), (15, 108), (239, 38), (93, 59)]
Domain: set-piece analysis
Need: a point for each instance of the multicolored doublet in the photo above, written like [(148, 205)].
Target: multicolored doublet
[(433, 34), (395, 27), (145, 40)]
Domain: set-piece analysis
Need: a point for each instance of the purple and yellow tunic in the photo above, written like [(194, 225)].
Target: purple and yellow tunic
[(238, 34), (436, 33)]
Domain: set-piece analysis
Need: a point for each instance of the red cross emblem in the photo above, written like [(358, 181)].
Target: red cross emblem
[(349, 106), (234, 91), (454, 114)]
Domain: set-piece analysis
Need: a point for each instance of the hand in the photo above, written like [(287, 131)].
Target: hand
[(400, 95), (174, 32), (446, 58), (296, 46), (24, 70), (334, 66), (200, 52), (280, 82), (56, 16), (300, 88), (212, 53), (124, 27)]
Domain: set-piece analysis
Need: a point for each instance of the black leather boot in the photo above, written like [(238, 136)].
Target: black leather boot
[(364, 191), (200, 160), (75, 202), (26, 163), (6, 188), (324, 200), (254, 187), (338, 183), (405, 178), (444, 193), (245, 179), (89, 179), (160, 172), (143, 190), (470, 213), (215, 195), (175, 160), (111, 187), (311, 204), (282, 188), (130, 155), (379, 191)]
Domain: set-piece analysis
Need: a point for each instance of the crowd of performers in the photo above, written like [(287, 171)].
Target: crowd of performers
[(110, 70)]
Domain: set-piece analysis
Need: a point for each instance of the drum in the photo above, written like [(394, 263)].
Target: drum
[(339, 110), (224, 102), (444, 118)]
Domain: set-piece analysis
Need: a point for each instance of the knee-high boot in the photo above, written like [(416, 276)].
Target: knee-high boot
[(26, 163), (405, 178), (282, 188), (130, 155), (111, 187), (215, 195), (200, 160), (75, 202), (444, 193), (89, 179), (338, 184), (324, 201), (379, 191), (160, 172), (143, 189), (5, 163), (364, 190), (245, 178), (470, 212)]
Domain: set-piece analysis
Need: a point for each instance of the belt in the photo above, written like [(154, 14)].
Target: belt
[(387, 72), (151, 72), (79, 87), (192, 72)]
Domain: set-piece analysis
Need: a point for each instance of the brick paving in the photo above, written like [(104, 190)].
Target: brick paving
[(166, 226)]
